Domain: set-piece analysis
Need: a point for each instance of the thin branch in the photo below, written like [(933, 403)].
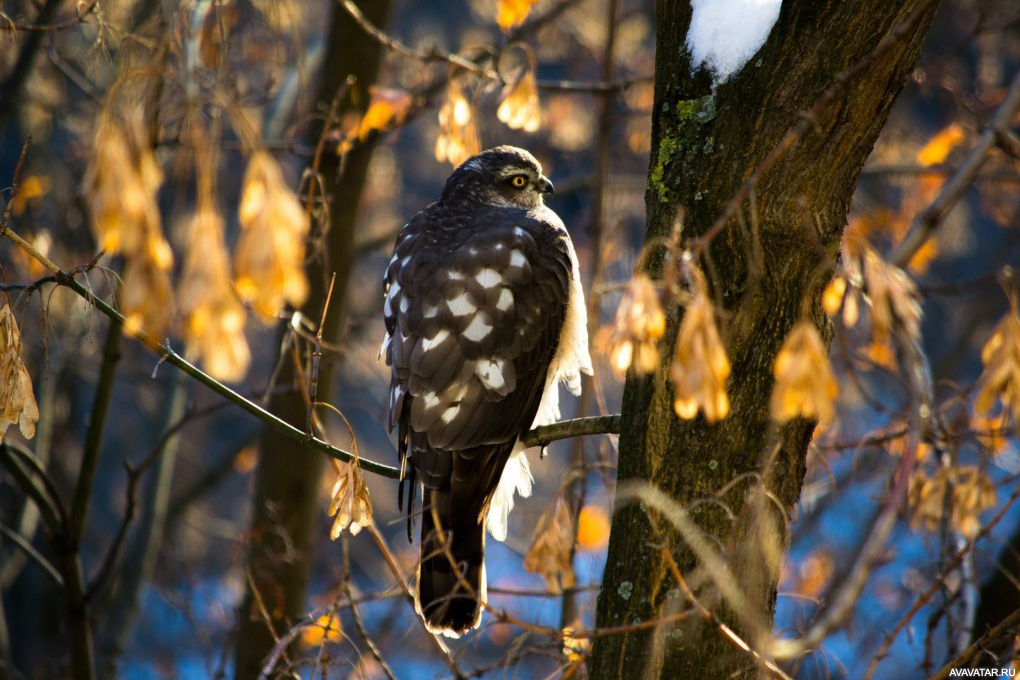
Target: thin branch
[(709, 615), (936, 586), (806, 120), (716, 568), (394, 567), (429, 55), (94, 436), (927, 221), (433, 54), (41, 494), (356, 615), (576, 427), (46, 28), (539, 436), (965, 657), (105, 573), (32, 553)]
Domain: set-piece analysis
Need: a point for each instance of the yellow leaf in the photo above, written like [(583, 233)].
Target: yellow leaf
[(325, 629), (30, 189), (832, 298), (592, 528), (388, 108), (939, 146), (511, 13)]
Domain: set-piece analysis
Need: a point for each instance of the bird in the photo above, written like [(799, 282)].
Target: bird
[(485, 316)]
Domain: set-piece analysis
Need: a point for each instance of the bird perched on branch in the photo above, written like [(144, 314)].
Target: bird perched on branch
[(484, 317)]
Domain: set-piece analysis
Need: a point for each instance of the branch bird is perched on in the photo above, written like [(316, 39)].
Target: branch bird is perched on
[(484, 317)]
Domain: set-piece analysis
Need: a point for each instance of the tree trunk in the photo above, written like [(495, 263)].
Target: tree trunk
[(288, 504), (775, 252)]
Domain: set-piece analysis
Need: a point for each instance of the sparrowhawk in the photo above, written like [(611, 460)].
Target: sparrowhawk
[(484, 317)]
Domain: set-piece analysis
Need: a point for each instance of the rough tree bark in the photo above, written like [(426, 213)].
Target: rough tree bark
[(776, 251), (288, 503)]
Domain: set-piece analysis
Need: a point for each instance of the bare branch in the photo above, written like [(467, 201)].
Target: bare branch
[(82, 14), (927, 221)]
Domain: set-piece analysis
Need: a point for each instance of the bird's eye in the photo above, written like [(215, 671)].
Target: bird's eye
[(519, 181)]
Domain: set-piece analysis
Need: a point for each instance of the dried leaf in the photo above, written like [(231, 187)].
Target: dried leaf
[(970, 492), (17, 401), (213, 318), (519, 108), (146, 296), (458, 136), (549, 553), (700, 366), (640, 323), (350, 502), (120, 184), (387, 108), (30, 190), (1000, 380), (805, 386), (511, 13), (269, 262), (893, 297)]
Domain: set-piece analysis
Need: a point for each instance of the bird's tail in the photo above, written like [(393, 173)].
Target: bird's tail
[(451, 575)]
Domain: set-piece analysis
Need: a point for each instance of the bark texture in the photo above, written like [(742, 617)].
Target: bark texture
[(289, 506), (775, 253)]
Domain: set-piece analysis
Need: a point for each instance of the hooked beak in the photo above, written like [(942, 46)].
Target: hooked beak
[(544, 185)]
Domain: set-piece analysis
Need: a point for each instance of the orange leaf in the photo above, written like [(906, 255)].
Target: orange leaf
[(939, 146), (325, 629), (387, 108), (511, 13), (592, 528)]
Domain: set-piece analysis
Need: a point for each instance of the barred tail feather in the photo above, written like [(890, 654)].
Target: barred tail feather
[(451, 573)]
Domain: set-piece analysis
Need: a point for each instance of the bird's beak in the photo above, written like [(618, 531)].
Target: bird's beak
[(545, 186)]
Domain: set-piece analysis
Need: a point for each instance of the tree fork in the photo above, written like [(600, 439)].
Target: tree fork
[(776, 151)]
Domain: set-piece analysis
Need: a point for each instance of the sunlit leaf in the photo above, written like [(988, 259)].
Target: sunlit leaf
[(511, 13)]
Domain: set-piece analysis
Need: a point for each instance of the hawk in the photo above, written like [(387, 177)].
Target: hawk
[(485, 316)]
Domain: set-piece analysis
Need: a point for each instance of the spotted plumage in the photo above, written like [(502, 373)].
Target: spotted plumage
[(484, 317)]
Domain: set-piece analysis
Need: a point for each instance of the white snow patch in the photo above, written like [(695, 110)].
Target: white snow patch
[(725, 34)]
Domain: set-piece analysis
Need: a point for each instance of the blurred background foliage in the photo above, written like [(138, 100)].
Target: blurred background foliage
[(203, 121)]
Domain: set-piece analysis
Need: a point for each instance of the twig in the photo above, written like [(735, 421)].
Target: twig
[(391, 562), (105, 573), (32, 553), (806, 120), (927, 221), (846, 597), (936, 586), (710, 616), (45, 28), (14, 185), (44, 496), (975, 648), (538, 436), (431, 54), (576, 427), (715, 566), (94, 436), (922, 426), (264, 613), (356, 615)]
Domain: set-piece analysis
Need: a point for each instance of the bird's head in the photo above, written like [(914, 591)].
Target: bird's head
[(504, 175)]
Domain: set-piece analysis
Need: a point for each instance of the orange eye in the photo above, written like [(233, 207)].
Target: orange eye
[(518, 181)]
